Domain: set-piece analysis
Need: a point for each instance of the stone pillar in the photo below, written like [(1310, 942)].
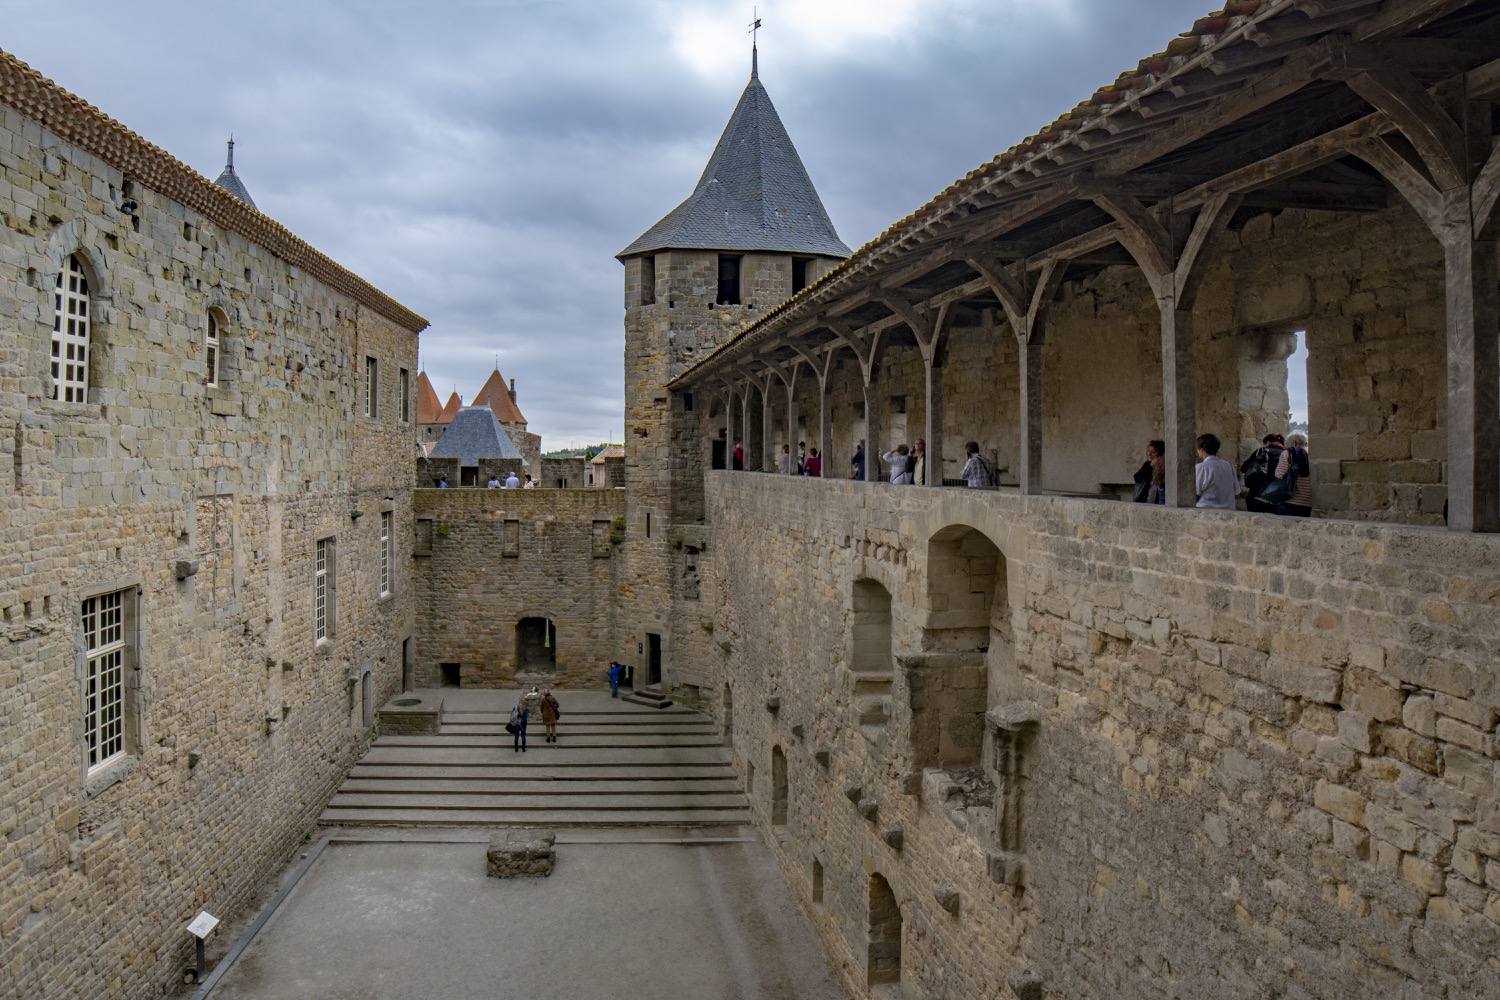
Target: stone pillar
[(1473, 341)]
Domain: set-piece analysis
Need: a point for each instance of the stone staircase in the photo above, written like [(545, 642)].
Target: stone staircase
[(615, 764)]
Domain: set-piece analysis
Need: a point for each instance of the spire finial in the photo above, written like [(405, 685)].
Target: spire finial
[(754, 50), (229, 164)]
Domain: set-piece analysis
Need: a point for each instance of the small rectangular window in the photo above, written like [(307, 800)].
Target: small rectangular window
[(648, 280), (799, 274), (405, 396), (687, 402), (387, 553), (729, 280), (211, 352), (324, 580), (107, 655), (372, 387)]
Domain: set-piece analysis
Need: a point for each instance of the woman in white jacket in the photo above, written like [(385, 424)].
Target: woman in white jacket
[(897, 460)]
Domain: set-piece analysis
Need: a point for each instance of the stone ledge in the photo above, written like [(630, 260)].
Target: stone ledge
[(519, 854)]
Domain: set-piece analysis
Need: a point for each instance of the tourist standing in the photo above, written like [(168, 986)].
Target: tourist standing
[(551, 711), (814, 465), (896, 459), (511, 482), (976, 471), (1295, 457), (442, 482), (738, 461), (1156, 451), (530, 483), (801, 458), (1258, 471), (614, 672), (784, 463), (494, 483), (1213, 479), (859, 462), (517, 726), (917, 463)]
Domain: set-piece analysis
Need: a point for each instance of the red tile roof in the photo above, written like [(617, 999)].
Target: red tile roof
[(496, 395), (450, 408), (429, 407)]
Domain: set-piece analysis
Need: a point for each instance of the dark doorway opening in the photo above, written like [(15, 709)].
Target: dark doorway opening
[(406, 663), (536, 644), (720, 452), (450, 672), (653, 664)]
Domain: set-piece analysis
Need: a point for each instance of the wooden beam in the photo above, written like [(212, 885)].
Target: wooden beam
[(1421, 119), (1405, 178), (1404, 17)]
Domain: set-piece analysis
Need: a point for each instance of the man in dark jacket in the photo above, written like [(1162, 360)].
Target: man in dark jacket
[(1259, 469)]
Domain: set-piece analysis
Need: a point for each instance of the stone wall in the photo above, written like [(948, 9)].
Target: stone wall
[(1125, 749), (487, 559), (202, 505)]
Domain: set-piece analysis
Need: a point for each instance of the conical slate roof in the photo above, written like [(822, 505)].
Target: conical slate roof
[(753, 195), (230, 181)]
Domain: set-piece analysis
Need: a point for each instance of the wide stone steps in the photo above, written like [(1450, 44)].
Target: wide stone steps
[(614, 764)]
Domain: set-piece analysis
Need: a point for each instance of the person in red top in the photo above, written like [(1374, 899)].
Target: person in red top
[(814, 465), (738, 465)]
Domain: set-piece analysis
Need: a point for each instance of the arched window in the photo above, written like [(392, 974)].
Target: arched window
[(70, 334), (211, 350)]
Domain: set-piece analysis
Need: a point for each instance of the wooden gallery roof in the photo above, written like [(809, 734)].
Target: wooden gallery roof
[(1255, 108)]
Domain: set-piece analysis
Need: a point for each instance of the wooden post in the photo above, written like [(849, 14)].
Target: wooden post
[(1473, 340), (934, 428), (768, 427)]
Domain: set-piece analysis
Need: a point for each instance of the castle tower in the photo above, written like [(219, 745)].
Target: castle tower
[(230, 181), (752, 234)]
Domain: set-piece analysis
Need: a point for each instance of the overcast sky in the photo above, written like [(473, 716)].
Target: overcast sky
[(483, 161)]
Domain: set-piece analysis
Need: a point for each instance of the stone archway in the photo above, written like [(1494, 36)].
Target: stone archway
[(883, 951)]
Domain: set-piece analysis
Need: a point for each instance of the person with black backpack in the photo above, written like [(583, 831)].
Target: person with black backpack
[(1294, 477), (976, 471), (1259, 469)]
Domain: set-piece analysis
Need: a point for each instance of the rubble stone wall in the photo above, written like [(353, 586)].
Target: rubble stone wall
[(1223, 754)]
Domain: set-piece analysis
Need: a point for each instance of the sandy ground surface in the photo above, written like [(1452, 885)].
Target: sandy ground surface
[(616, 919)]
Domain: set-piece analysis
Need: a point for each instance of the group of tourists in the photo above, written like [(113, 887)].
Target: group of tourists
[(805, 463), (1277, 477), (511, 483), (542, 701)]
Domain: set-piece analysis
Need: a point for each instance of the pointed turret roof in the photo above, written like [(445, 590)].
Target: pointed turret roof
[(429, 407), (475, 435), (496, 396), (230, 181), (753, 195), (449, 409)]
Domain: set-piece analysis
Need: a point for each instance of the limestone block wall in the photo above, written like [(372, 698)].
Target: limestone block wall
[(239, 724), (1219, 754), (486, 559)]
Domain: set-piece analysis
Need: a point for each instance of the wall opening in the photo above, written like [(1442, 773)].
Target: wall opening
[(967, 639), (870, 658), (536, 644), (450, 674), (883, 961), (729, 280), (817, 881), (367, 699), (653, 662), (728, 716), (778, 786)]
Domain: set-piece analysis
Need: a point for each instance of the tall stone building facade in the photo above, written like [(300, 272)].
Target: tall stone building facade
[(207, 542)]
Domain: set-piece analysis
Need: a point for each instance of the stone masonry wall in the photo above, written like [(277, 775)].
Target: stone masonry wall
[(488, 558), (239, 724), (1223, 755)]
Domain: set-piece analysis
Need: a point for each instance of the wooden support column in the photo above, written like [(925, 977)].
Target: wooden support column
[(788, 376), (1171, 257), (867, 350), (1027, 300), (930, 330), (822, 369), (730, 403), (1456, 199), (768, 427), (745, 426)]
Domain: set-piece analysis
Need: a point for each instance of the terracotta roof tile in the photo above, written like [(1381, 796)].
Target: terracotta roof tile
[(450, 409), (496, 395)]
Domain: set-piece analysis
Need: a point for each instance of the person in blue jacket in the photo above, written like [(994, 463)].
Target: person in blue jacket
[(615, 670), (518, 717)]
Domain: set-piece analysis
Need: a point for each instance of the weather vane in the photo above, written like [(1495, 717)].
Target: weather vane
[(754, 25)]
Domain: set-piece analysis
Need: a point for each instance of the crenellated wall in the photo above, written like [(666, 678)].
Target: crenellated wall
[(1121, 748)]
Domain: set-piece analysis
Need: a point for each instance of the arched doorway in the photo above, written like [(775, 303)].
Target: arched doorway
[(883, 956)]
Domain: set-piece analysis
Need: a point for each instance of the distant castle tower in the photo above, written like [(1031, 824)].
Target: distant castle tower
[(230, 181), (752, 234)]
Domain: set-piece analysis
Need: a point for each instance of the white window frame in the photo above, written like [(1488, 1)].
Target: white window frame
[(372, 387), (387, 554), (325, 589), (107, 657), (70, 334), (211, 355)]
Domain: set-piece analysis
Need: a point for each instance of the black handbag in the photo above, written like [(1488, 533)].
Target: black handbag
[(1281, 490)]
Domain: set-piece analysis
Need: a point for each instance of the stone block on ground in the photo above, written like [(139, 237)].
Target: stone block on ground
[(519, 854)]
